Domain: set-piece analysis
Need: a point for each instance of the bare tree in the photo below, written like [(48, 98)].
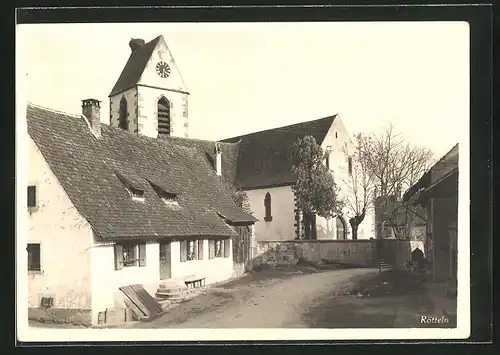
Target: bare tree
[(358, 187), (393, 166)]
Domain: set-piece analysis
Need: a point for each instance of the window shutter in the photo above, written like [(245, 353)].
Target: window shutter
[(211, 249), (142, 254), (183, 244), (227, 244), (200, 249), (118, 257)]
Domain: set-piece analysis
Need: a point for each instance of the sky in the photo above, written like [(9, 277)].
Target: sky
[(247, 77)]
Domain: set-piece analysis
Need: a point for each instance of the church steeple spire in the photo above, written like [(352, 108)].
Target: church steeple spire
[(150, 97)]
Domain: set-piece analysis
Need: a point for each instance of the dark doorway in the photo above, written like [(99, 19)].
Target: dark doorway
[(341, 228), (165, 261)]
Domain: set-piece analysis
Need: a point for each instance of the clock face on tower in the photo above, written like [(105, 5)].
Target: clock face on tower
[(163, 69)]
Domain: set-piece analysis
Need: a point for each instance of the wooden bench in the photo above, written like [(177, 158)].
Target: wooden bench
[(194, 281)]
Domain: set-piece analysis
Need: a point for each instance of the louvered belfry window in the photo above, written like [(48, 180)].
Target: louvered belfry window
[(163, 117)]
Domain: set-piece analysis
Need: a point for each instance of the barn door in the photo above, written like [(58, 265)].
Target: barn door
[(247, 245), (241, 248)]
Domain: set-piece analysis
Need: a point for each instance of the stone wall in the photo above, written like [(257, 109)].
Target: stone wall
[(60, 316), (362, 253)]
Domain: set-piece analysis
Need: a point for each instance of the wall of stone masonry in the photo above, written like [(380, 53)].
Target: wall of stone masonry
[(360, 253)]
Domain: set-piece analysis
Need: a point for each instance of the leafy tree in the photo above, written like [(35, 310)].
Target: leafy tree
[(315, 188), (239, 197)]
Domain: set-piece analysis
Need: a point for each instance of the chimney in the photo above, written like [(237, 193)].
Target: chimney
[(91, 110), (218, 159), (136, 43)]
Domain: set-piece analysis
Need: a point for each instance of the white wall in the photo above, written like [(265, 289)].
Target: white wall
[(107, 281), (65, 238), (150, 77), (282, 225), (282, 210), (148, 111), (338, 138), (172, 87), (114, 109), (142, 99), (214, 270)]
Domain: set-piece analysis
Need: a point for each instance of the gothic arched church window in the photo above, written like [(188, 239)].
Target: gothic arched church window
[(267, 206)]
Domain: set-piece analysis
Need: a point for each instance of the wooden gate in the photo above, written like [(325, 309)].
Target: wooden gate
[(242, 245)]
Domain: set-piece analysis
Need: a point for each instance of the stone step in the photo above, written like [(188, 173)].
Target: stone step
[(163, 294), (179, 291), (174, 299), (172, 288)]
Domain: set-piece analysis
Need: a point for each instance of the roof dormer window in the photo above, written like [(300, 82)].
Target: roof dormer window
[(170, 201), (134, 185), (137, 195), (169, 198)]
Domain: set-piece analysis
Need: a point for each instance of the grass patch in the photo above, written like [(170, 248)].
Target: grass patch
[(388, 283)]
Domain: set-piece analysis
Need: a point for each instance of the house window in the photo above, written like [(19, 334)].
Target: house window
[(34, 257), (123, 119), (31, 196), (163, 116), (219, 248), (349, 165), (327, 160), (130, 254), (191, 250), (267, 205)]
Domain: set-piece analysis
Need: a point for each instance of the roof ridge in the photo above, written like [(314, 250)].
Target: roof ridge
[(198, 140), (123, 82), (156, 39), (160, 141), (54, 111), (280, 127)]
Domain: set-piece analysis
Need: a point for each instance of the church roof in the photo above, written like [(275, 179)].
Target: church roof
[(93, 171), (264, 158), (136, 63)]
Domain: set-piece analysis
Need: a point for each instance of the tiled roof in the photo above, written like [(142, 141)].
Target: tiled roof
[(445, 166), (264, 158), (135, 66), (229, 153), (86, 168)]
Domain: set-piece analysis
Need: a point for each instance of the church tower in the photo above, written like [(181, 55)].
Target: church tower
[(150, 97)]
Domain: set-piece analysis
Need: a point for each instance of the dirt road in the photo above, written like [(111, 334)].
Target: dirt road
[(271, 303)]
